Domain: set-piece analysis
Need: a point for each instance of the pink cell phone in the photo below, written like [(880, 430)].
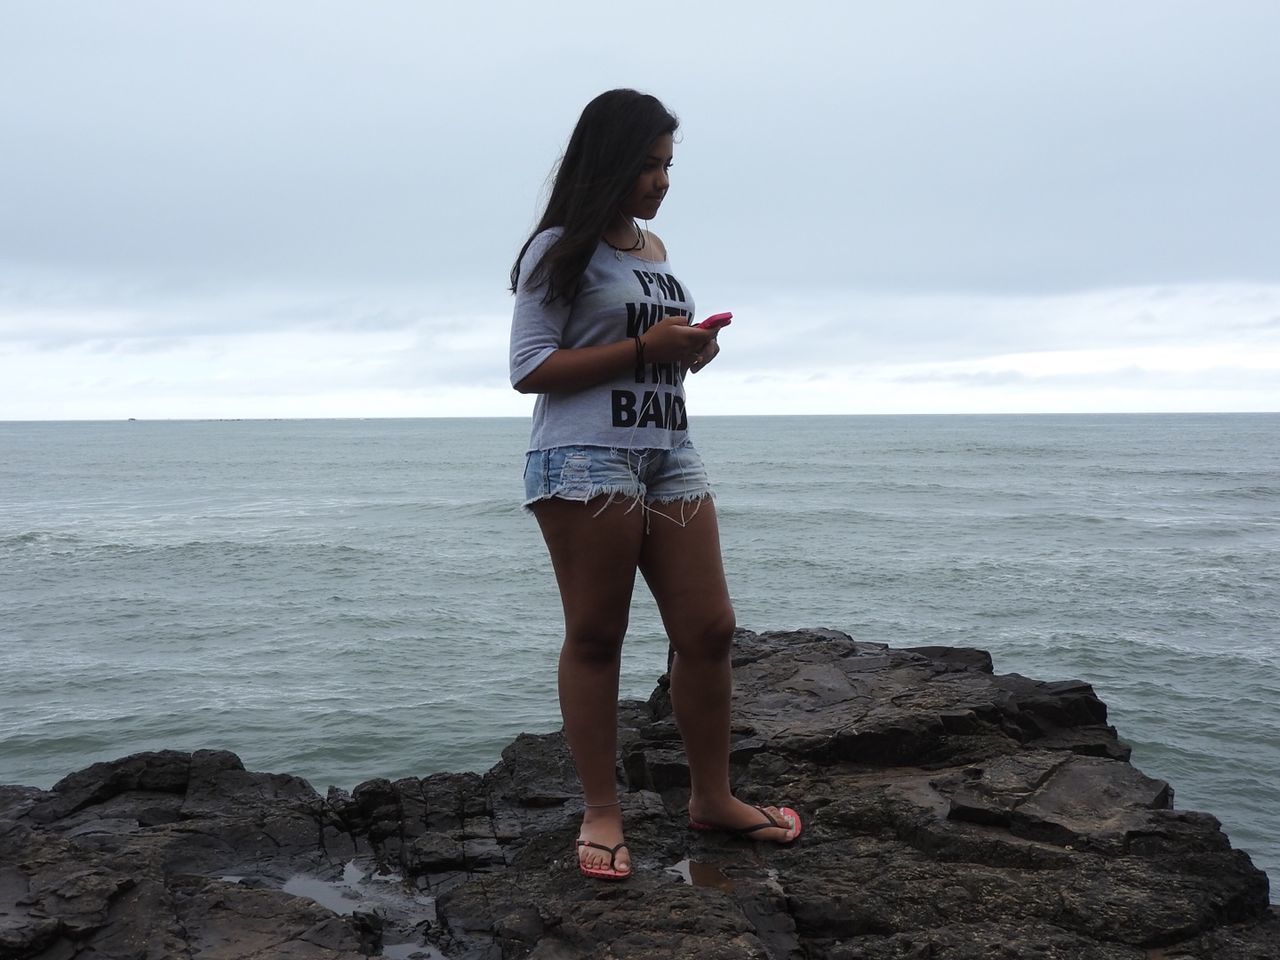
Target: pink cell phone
[(716, 322)]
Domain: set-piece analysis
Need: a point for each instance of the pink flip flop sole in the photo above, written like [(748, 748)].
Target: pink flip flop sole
[(768, 823), (602, 873)]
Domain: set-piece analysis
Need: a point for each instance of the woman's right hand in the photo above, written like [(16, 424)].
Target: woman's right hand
[(673, 340)]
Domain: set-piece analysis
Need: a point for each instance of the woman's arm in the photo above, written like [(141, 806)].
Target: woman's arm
[(565, 370)]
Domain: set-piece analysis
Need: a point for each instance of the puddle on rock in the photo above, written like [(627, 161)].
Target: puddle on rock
[(341, 896), (359, 888), (699, 874)]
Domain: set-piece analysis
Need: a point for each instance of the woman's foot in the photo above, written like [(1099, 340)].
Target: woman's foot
[(733, 816), (601, 849)]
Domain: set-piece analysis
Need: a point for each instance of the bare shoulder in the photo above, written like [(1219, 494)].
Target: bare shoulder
[(654, 242)]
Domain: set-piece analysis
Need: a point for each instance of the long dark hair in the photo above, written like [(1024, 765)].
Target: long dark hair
[(600, 165)]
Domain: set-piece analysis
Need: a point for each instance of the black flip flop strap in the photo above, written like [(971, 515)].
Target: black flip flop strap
[(769, 824), (611, 851)]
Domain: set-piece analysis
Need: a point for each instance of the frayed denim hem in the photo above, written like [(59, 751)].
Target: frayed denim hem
[(648, 505), (611, 491), (683, 497)]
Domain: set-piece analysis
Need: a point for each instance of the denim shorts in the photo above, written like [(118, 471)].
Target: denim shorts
[(583, 473)]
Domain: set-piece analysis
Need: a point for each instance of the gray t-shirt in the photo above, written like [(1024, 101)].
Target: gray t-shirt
[(620, 296)]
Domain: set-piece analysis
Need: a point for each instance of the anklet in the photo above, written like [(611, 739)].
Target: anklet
[(611, 803)]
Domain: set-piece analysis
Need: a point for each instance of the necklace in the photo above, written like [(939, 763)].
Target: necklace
[(638, 245)]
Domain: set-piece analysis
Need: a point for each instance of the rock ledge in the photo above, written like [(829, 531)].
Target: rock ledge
[(950, 814)]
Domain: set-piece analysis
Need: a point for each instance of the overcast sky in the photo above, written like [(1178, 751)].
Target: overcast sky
[(287, 208)]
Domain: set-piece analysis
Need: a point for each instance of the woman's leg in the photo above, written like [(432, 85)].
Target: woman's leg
[(682, 565), (594, 553)]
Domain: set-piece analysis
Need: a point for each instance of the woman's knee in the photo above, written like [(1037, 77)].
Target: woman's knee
[(595, 645), (709, 640)]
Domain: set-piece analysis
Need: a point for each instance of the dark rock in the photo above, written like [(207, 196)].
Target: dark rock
[(951, 813)]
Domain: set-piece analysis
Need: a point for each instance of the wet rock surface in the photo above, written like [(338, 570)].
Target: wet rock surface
[(950, 813)]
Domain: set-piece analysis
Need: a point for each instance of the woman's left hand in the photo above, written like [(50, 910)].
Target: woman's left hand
[(705, 356)]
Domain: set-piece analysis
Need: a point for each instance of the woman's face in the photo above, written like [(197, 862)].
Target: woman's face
[(651, 186)]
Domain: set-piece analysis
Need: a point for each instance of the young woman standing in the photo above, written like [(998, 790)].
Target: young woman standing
[(601, 333)]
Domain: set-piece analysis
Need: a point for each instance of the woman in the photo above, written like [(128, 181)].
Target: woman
[(601, 333)]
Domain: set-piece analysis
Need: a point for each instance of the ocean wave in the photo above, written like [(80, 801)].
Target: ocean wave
[(40, 538)]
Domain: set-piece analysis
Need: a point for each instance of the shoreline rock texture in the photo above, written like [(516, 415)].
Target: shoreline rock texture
[(950, 813)]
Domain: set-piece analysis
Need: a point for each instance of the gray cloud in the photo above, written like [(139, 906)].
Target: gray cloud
[(979, 378), (863, 184), (1130, 376), (915, 146)]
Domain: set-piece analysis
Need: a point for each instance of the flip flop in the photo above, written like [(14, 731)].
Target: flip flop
[(610, 872), (769, 822)]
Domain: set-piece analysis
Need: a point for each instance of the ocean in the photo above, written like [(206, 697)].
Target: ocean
[(350, 599)]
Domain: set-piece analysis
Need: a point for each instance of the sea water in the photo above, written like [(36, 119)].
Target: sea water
[(348, 599)]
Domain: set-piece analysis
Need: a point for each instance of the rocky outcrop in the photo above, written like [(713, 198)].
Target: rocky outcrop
[(950, 813)]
